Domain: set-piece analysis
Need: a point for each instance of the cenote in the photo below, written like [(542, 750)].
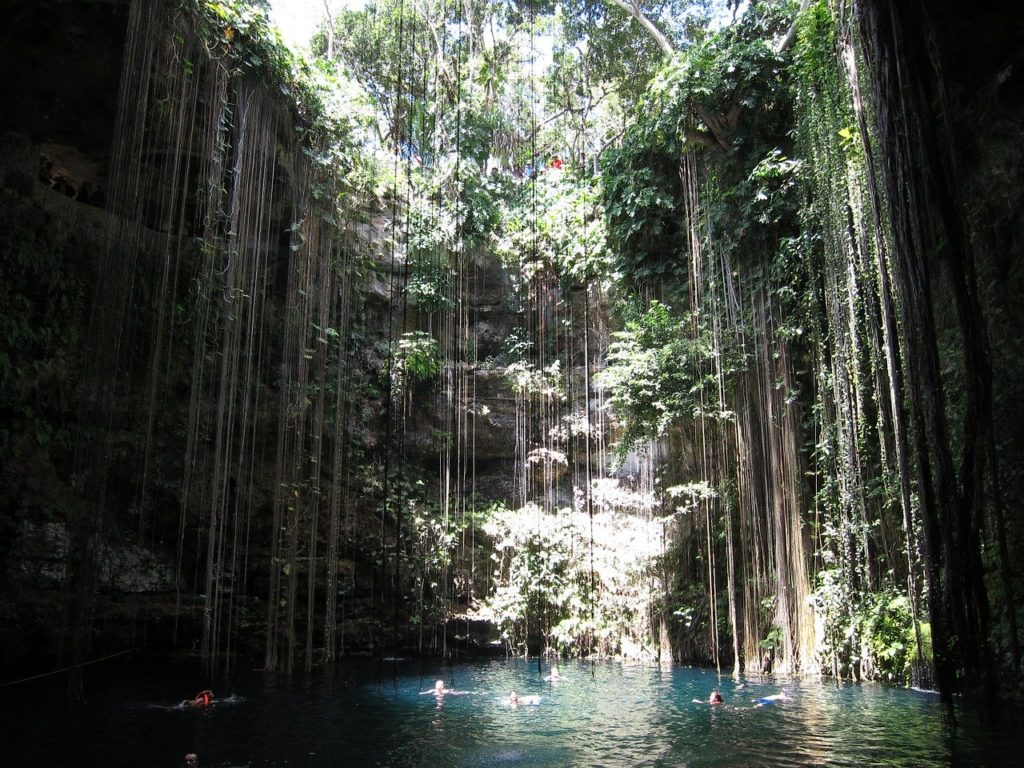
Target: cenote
[(648, 336), (362, 714)]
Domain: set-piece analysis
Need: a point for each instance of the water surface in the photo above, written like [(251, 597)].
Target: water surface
[(606, 714)]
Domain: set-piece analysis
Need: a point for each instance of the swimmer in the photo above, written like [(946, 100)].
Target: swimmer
[(440, 691), (714, 698), (555, 674), (201, 700), (515, 700), (191, 760), (771, 699)]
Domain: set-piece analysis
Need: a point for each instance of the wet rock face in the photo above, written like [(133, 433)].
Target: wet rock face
[(70, 172), (60, 65), (40, 559), (60, 68), (486, 406)]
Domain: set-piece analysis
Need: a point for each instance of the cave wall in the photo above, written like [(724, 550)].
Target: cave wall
[(61, 67)]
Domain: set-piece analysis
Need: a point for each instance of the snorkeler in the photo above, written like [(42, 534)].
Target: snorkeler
[(771, 699), (201, 700)]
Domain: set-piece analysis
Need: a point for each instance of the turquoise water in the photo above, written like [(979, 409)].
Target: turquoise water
[(607, 714)]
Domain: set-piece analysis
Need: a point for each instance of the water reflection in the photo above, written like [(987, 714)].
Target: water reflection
[(604, 714)]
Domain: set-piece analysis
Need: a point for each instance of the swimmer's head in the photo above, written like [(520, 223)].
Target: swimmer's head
[(191, 760), (439, 686), (513, 697)]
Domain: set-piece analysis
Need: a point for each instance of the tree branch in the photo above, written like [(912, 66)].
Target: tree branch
[(704, 137), (719, 130), (659, 37), (790, 36)]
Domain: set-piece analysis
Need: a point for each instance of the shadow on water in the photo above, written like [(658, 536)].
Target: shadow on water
[(357, 715)]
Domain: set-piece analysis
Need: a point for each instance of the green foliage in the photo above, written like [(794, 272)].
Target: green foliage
[(737, 67), (331, 114), (872, 636), (888, 632), (546, 382), (643, 209), (533, 574), (452, 209), (582, 585), (772, 640), (653, 374), (553, 225), (367, 44), (430, 73), (688, 497), (433, 539), (417, 357), (613, 48), (429, 286), (814, 55), (477, 207), (768, 195), (726, 98), (43, 294), (869, 631)]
